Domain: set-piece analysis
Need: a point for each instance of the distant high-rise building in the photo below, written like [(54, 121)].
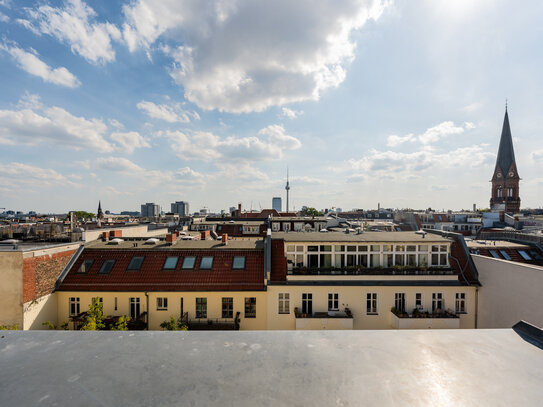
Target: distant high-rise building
[(231, 209), (287, 188), (150, 210), (181, 208), (505, 181), (277, 204)]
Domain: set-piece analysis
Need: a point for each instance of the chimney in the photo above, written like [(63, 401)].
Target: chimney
[(116, 233), (171, 238), (104, 235), (502, 216), (224, 238), (204, 235)]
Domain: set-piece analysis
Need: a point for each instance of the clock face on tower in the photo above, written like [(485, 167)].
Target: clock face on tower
[(511, 174), (499, 175)]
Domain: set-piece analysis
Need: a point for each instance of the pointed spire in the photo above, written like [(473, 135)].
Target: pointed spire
[(100, 214), (506, 153)]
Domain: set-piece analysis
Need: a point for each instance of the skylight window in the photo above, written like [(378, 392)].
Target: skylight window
[(239, 263), (505, 255), (170, 263), (135, 263), (495, 254), (188, 262), (206, 263), (85, 266), (106, 267), (524, 255)]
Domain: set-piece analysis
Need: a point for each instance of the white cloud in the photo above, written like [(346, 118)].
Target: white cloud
[(431, 135), (442, 130), (73, 24), (208, 147), (393, 141), (225, 60), (52, 124), (118, 164), (115, 123), (537, 156), (4, 18), (171, 114), (291, 114), (14, 175), (129, 141), (30, 63)]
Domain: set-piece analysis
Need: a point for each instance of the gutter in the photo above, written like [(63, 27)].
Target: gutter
[(147, 308)]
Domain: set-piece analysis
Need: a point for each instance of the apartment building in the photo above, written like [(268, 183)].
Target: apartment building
[(373, 280)]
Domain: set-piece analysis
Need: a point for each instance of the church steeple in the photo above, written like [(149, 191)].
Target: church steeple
[(100, 214), (505, 181)]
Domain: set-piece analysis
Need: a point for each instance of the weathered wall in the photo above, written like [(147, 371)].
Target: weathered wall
[(510, 292), (132, 231), (38, 311), (11, 288)]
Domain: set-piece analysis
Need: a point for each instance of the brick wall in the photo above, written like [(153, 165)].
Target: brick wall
[(278, 261), (41, 273)]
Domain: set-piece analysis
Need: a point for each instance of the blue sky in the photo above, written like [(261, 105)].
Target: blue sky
[(137, 101)]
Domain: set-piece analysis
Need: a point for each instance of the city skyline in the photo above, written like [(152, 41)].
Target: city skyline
[(365, 102)]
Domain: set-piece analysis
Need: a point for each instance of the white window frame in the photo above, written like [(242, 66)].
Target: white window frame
[(162, 303), (399, 302), (283, 300), (371, 304), (333, 300), (74, 306), (421, 305), (133, 304), (460, 306), (436, 299)]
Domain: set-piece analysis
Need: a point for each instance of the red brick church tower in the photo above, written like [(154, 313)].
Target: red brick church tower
[(505, 182)]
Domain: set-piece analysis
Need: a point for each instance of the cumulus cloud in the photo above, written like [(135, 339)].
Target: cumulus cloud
[(54, 124), (118, 164), (291, 114), (171, 114), (4, 18), (74, 24), (226, 61), (270, 143), (431, 135), (15, 174), (31, 63), (129, 141)]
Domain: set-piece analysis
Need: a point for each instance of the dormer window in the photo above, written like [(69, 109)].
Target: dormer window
[(85, 266), (106, 267), (135, 263)]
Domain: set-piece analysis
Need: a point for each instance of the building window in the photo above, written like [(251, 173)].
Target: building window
[(460, 302), (307, 303), (188, 263), (524, 255), (100, 300), (439, 255), (206, 263), (286, 227), (116, 304), (499, 193), (238, 263), (106, 267), (418, 301), (505, 255), (228, 307), (135, 264), (170, 263), (399, 301), (276, 226), (162, 304), (495, 254), (250, 307), (85, 266), (201, 307), (74, 306), (134, 307), (437, 302), (284, 303), (371, 304), (333, 301)]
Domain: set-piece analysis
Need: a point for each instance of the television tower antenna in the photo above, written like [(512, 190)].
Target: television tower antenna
[(287, 188)]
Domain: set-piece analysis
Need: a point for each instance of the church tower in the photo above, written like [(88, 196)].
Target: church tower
[(505, 181), (100, 214)]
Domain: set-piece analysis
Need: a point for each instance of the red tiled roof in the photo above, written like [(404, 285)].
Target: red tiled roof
[(151, 276), (513, 254)]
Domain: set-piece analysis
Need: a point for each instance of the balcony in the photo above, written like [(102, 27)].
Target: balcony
[(374, 271), (331, 320), (212, 324), (424, 320)]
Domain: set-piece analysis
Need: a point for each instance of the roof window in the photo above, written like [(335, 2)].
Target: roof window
[(206, 263), (238, 263), (495, 254), (85, 266), (135, 263), (170, 263), (505, 255), (188, 263), (524, 255), (106, 267)]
